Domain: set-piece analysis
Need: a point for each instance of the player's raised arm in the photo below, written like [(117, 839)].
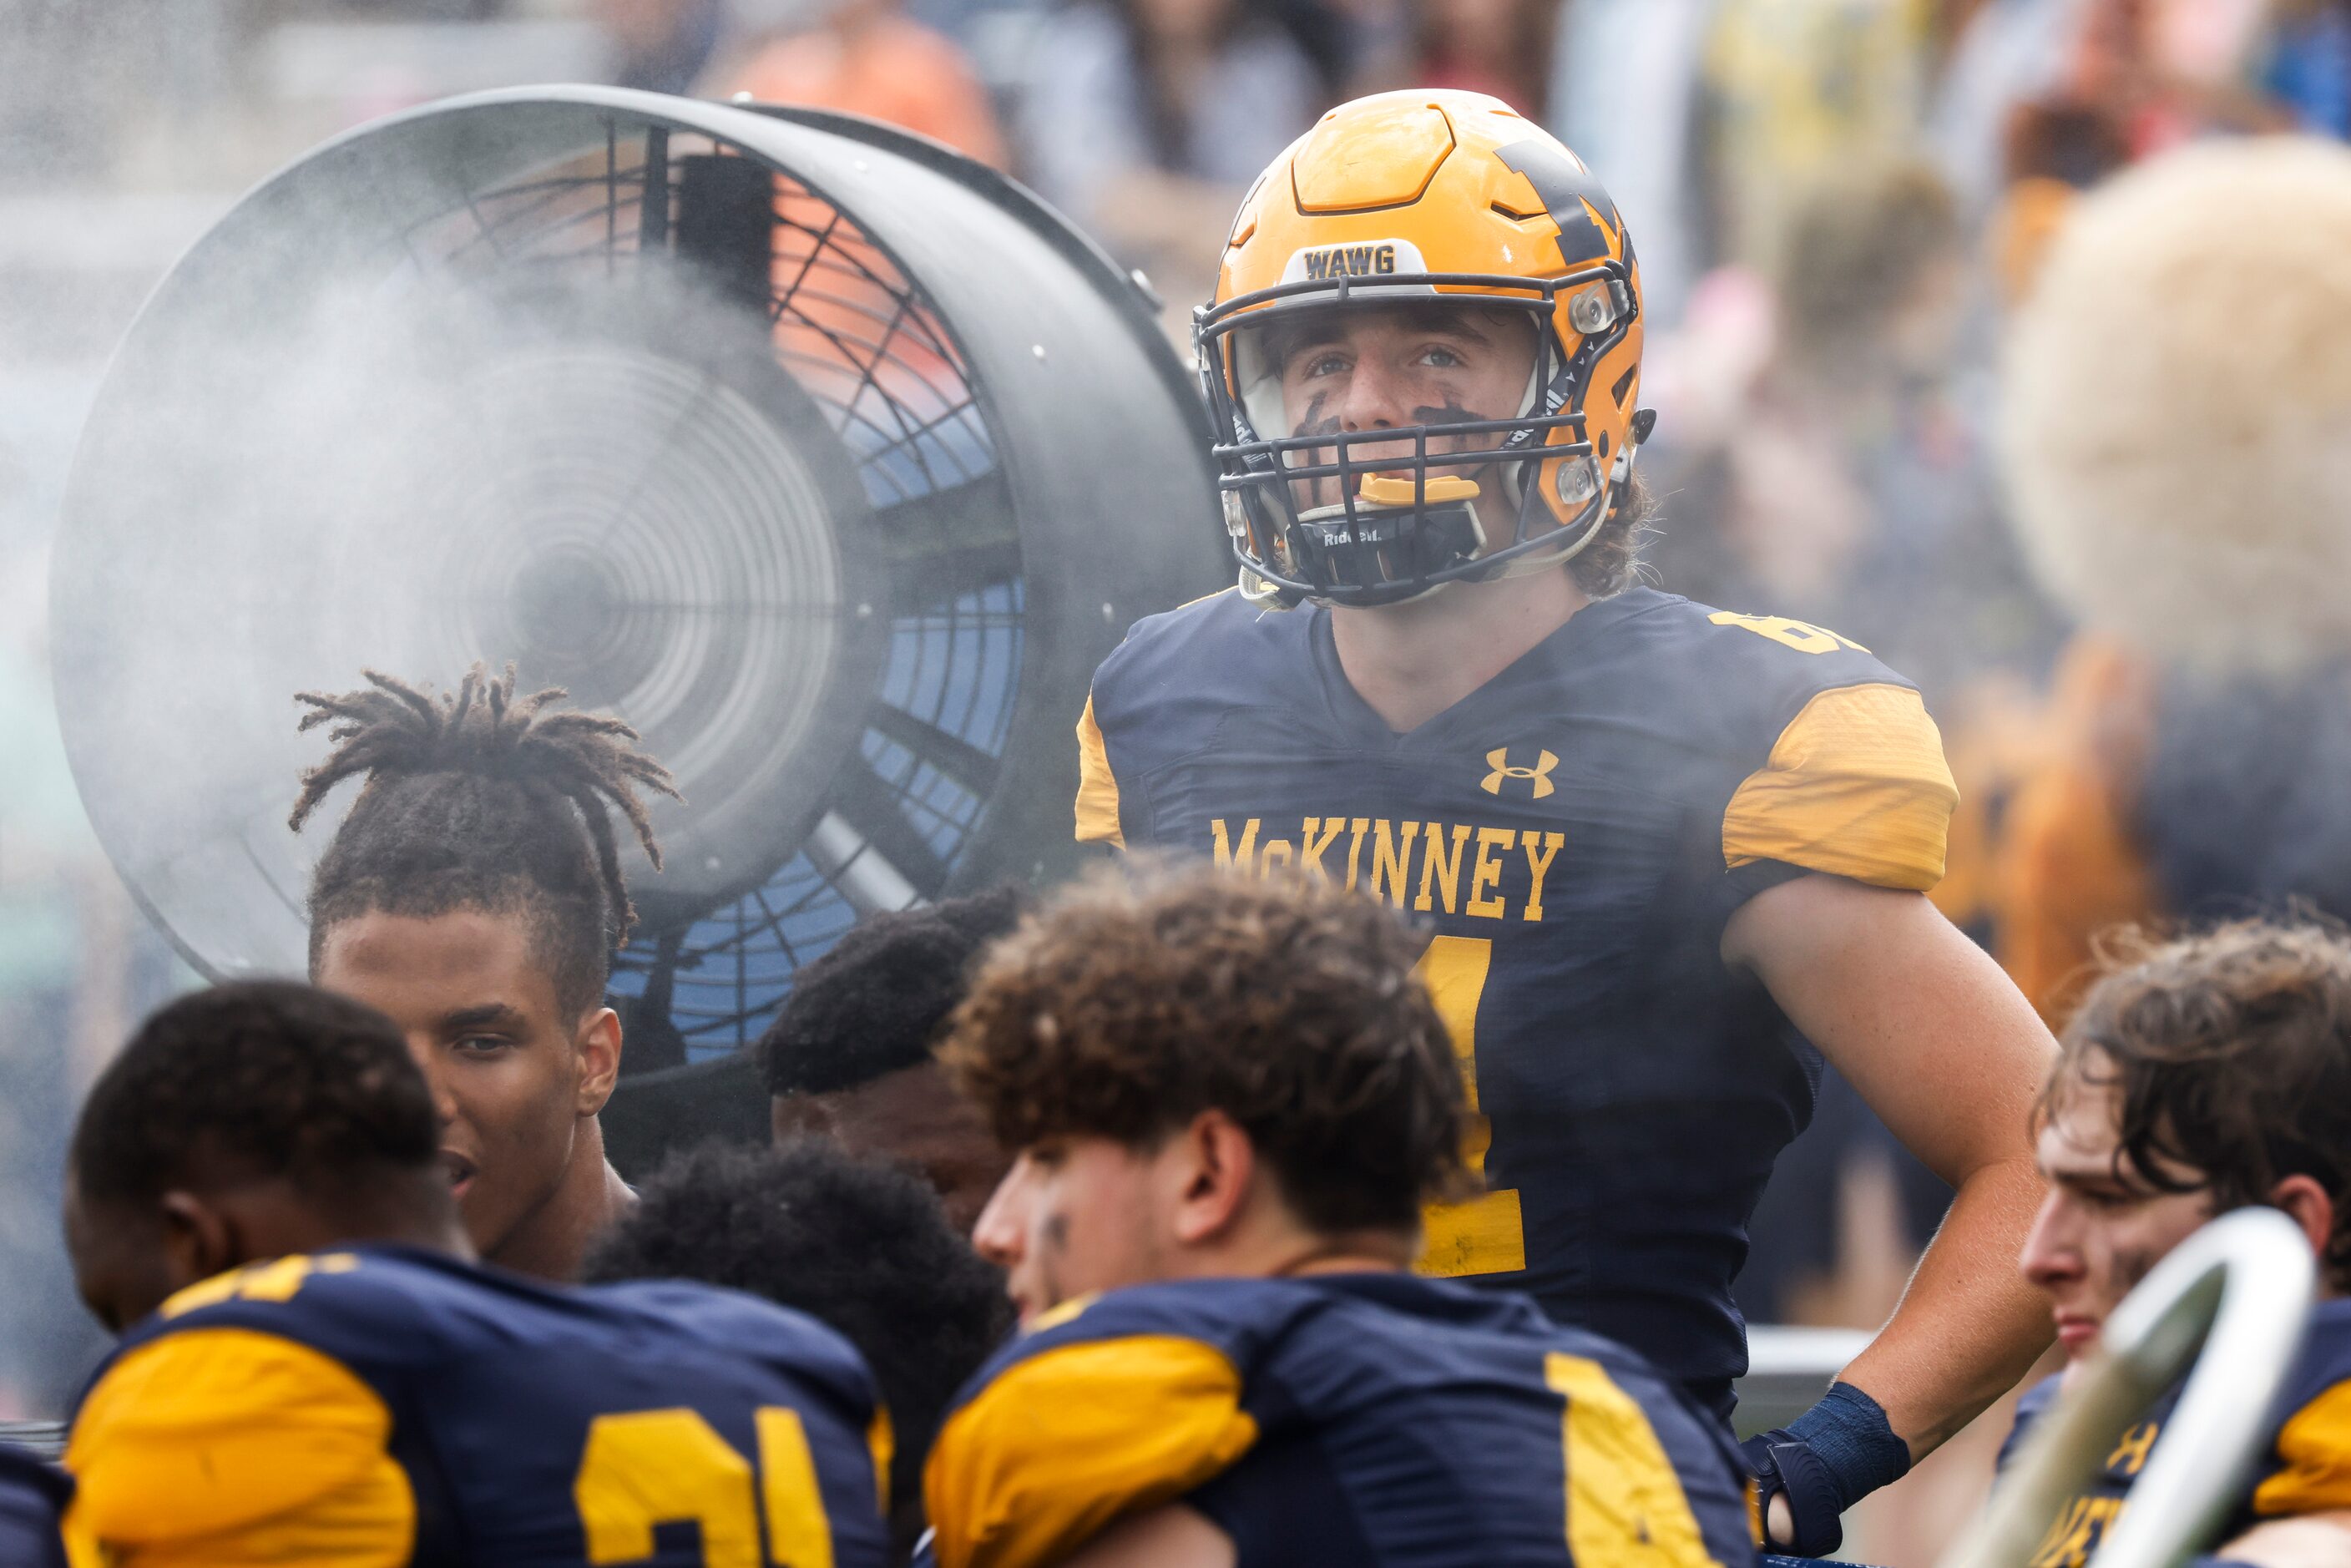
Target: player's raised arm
[(1945, 1049)]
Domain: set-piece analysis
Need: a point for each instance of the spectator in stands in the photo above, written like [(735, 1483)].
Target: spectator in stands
[(2181, 488), (1500, 47), (1796, 89), (1148, 119), (866, 56), (2308, 68), (661, 46), (849, 1056), (1843, 483), (854, 1244)]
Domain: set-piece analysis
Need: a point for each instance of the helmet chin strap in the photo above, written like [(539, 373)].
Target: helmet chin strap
[(1515, 484), (1541, 559)]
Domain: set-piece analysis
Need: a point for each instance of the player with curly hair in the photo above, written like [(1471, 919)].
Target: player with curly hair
[(1229, 1102), (855, 1243), (849, 1056), (474, 895)]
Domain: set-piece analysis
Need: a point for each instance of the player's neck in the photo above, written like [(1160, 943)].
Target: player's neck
[(390, 1207), (1411, 662), (554, 1241), (1266, 1240)]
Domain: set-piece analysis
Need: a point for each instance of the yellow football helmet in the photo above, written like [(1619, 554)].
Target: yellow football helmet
[(1401, 197)]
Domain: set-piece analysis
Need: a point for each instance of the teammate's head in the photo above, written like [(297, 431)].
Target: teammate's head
[(2211, 1072), (849, 1056), (474, 894), (243, 1123), (852, 1242), (1206, 1076), (1424, 358)]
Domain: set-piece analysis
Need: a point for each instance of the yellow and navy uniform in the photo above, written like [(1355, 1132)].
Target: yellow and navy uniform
[(2305, 1465), (31, 1495), (1575, 832), (387, 1406), (1342, 1419)]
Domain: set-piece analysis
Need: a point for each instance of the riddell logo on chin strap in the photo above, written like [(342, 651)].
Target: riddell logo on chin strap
[(1539, 775)]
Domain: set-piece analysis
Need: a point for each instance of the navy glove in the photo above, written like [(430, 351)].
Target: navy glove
[(1824, 1462)]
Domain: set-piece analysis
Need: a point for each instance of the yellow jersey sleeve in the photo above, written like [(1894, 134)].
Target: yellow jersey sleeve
[(1097, 786), (2315, 1446), (1855, 785), (1062, 1443), (226, 1444)]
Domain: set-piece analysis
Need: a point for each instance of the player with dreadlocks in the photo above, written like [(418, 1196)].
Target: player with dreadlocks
[(474, 895)]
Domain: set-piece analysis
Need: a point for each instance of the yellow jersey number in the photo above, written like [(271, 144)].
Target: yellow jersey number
[(647, 1468), (1486, 1235), (1801, 635), (1625, 1506)]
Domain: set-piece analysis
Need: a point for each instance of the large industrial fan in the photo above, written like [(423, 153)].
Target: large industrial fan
[(832, 461)]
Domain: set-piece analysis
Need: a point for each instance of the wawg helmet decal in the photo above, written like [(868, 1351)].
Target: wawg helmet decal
[(1421, 195)]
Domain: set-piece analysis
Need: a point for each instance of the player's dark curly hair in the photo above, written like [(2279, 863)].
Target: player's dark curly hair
[(260, 1079), (1133, 1003), (481, 799), (2230, 1055), (855, 1243), (874, 1004)]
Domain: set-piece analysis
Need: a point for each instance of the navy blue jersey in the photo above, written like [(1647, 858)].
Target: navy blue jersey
[(384, 1405), (1340, 1419), (32, 1496), (2303, 1466), (1575, 832)]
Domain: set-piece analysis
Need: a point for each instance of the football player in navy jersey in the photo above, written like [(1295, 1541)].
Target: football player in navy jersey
[(2211, 1072), (1229, 1102), (1672, 856), (849, 1056), (853, 1241), (473, 894), (313, 1370)]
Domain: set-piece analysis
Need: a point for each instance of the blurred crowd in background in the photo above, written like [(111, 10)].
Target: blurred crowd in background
[(1836, 205)]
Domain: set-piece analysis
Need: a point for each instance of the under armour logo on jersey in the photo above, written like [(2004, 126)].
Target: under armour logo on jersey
[(1539, 775)]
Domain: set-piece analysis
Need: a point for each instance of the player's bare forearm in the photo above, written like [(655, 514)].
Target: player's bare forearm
[(1950, 1054), (1969, 1325)]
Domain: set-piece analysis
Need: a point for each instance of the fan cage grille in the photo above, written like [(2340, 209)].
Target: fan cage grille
[(862, 340)]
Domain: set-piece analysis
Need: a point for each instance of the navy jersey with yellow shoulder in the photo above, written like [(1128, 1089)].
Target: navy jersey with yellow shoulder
[(384, 1405), (1576, 832), (1340, 1419), (2305, 1465)]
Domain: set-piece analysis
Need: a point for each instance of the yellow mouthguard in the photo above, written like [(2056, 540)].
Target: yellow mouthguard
[(1382, 491)]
